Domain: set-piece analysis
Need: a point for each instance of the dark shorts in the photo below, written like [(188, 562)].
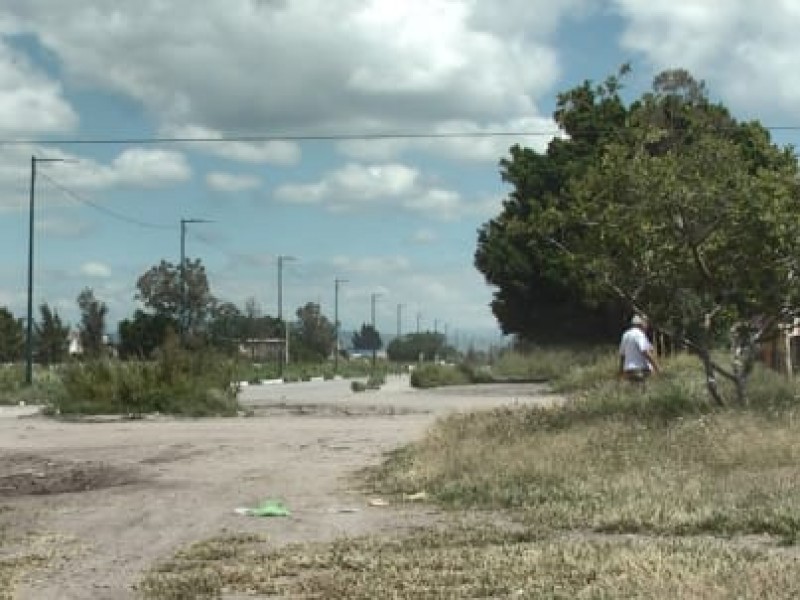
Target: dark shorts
[(637, 375)]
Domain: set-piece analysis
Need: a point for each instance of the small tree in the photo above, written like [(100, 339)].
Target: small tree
[(314, 334), (142, 335), (183, 298), (367, 338), (413, 346), (51, 336), (12, 337), (93, 323)]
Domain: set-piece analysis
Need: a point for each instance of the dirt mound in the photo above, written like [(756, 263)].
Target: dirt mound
[(29, 474)]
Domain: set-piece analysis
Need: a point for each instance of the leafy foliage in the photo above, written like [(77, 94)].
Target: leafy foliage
[(184, 298), (367, 338), (668, 206), (179, 382), (143, 334), (93, 323), (51, 336), (314, 335), (416, 346), (538, 296), (12, 337)]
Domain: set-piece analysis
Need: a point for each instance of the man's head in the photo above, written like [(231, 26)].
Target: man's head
[(639, 321)]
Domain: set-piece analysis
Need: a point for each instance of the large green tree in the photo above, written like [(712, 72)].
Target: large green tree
[(519, 252), (52, 336), (12, 336), (687, 215)]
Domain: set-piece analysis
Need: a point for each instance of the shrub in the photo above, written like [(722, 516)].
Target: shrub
[(179, 382), (431, 375)]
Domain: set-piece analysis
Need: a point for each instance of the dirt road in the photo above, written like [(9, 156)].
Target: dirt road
[(113, 497)]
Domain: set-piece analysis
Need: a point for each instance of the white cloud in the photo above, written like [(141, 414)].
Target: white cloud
[(63, 227), (479, 143), (424, 236), (391, 265), (373, 186), (271, 152), (134, 167), (391, 185), (95, 270), (30, 102), (149, 168), (250, 67), (229, 182), (743, 49)]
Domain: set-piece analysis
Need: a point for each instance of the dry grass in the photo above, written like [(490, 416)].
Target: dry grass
[(618, 494), (479, 562), (728, 473)]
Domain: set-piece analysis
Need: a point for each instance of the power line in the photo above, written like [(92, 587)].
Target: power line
[(328, 137), (119, 216)]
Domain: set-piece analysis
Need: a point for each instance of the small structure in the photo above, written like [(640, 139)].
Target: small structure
[(262, 349)]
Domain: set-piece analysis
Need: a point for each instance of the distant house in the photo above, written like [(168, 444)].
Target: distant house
[(262, 349), (75, 347), (356, 353)]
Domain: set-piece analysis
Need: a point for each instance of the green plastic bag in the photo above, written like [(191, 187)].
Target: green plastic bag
[(268, 508)]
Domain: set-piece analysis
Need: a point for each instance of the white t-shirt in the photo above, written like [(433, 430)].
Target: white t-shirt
[(632, 348)]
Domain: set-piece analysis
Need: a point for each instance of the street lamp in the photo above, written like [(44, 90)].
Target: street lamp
[(182, 314), (337, 283), (374, 296), (399, 319), (29, 329), (285, 355)]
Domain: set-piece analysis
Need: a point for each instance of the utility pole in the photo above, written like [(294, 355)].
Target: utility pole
[(29, 325), (399, 320), (336, 283), (285, 354), (419, 319), (373, 297), (182, 313)]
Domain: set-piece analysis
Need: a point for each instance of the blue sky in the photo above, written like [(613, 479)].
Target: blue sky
[(395, 217)]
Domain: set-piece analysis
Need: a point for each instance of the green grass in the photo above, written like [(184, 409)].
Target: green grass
[(551, 364), (179, 382)]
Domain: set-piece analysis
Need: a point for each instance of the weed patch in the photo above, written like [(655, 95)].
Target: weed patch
[(483, 562)]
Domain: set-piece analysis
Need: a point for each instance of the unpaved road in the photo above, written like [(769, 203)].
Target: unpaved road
[(117, 496)]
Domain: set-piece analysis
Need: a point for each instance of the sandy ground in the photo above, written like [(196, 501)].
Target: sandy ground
[(117, 496)]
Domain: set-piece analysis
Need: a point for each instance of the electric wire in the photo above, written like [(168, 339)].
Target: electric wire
[(262, 138), (107, 211)]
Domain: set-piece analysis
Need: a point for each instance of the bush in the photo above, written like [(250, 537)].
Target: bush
[(430, 375), (179, 382), (547, 363)]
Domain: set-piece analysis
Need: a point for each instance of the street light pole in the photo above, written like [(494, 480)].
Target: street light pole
[(399, 319), (337, 283), (285, 354), (29, 325), (182, 314), (373, 297)]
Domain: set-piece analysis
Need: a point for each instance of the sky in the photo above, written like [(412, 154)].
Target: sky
[(303, 96)]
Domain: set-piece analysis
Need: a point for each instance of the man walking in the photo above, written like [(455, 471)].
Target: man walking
[(637, 358)]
